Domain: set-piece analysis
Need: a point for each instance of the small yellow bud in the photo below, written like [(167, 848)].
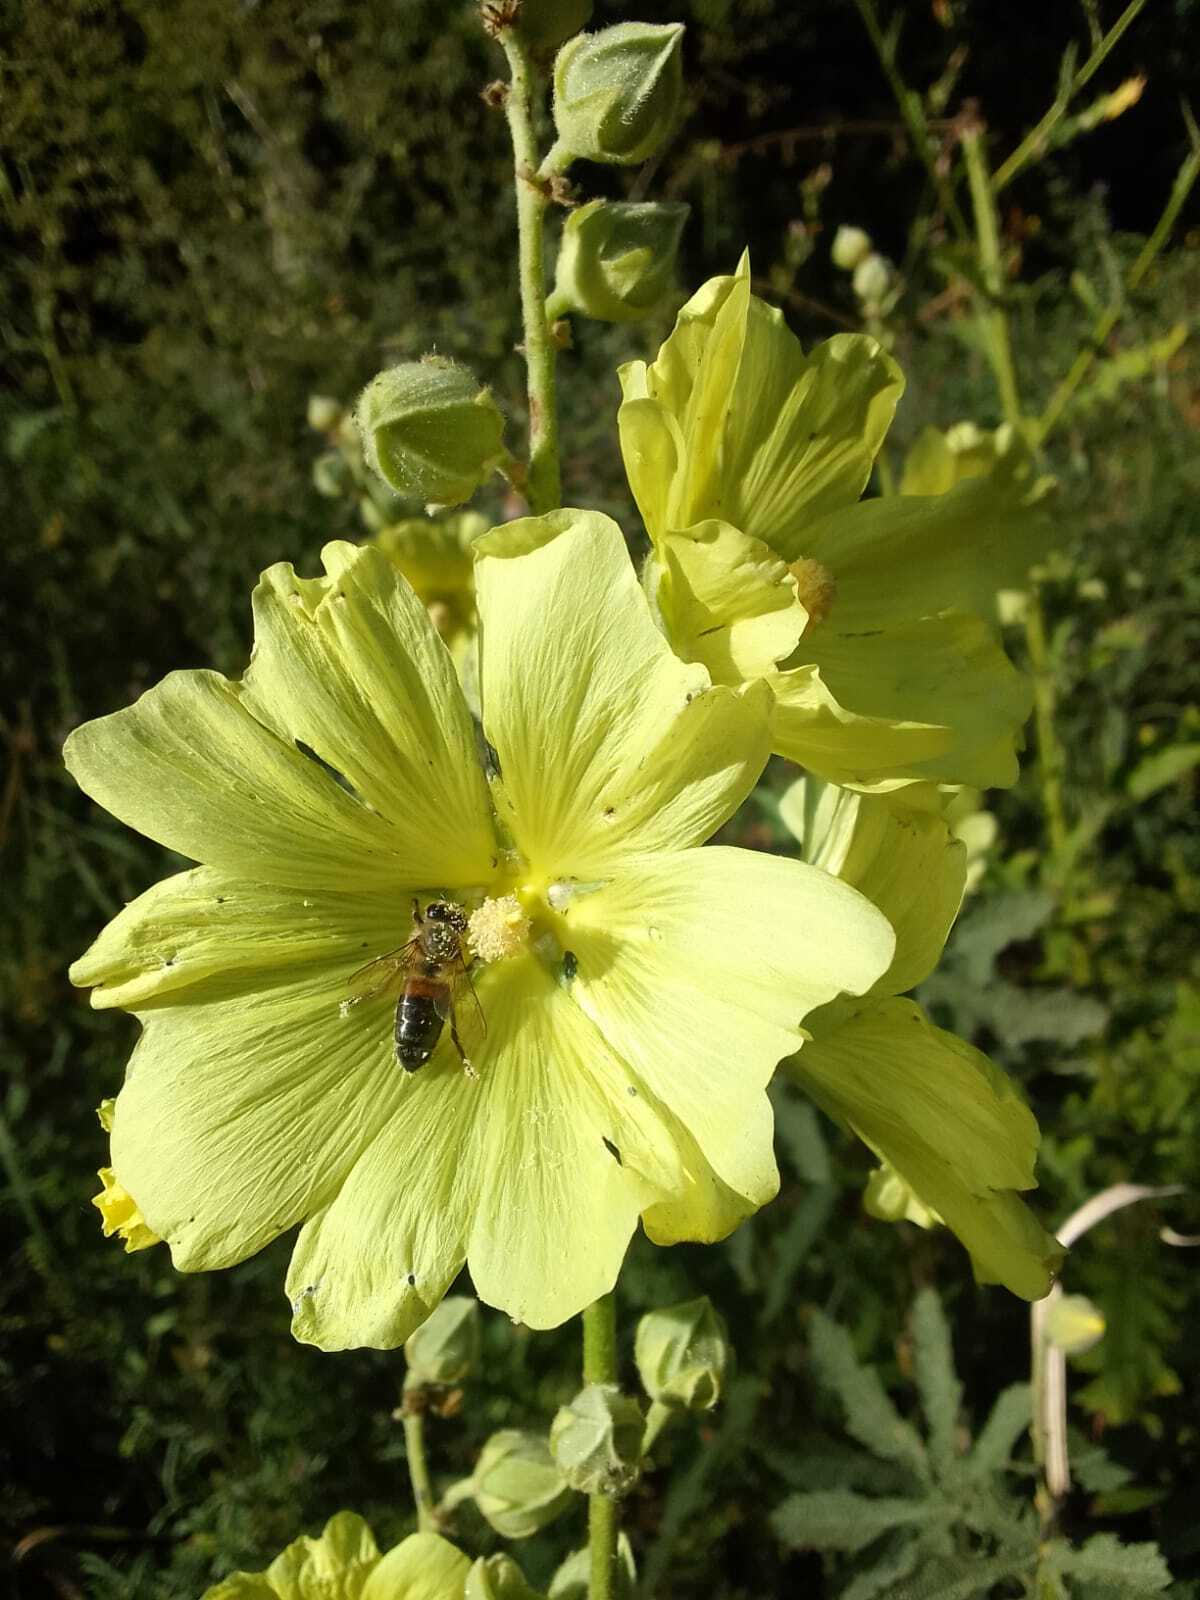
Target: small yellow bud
[(682, 1354), (497, 1578), (1074, 1324), (617, 259), (874, 276), (517, 1486), (850, 246), (446, 1347)]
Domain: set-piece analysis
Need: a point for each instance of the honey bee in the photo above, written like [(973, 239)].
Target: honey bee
[(435, 973)]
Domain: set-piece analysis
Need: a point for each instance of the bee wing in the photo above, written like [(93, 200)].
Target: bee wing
[(463, 1008), (381, 973)]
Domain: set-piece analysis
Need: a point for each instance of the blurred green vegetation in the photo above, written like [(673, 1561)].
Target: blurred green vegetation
[(212, 211)]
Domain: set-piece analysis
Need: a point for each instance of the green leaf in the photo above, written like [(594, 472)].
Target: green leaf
[(871, 1418), (937, 1382), (886, 1569), (1129, 1570), (1162, 768), (1009, 1419), (836, 1519)]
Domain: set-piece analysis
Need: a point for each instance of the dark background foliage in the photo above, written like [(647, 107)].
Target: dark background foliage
[(211, 210)]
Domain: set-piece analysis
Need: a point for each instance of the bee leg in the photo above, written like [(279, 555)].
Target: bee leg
[(462, 1054)]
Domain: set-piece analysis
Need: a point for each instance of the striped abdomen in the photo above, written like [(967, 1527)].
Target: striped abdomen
[(420, 1017)]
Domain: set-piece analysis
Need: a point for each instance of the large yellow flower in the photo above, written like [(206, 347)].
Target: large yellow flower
[(642, 991), (872, 622), (345, 1564)]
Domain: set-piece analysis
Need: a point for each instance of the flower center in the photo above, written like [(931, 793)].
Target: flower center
[(500, 927), (816, 589)]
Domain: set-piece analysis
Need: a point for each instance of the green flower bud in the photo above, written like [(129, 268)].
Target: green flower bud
[(597, 1440), (331, 475), (618, 93), (545, 24), (682, 1354), (850, 246), (517, 1487), (428, 429), (570, 1582), (324, 413), (498, 1578), (873, 278), (617, 259), (1074, 1324), (445, 1348)]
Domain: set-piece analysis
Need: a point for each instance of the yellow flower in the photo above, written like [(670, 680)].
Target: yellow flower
[(635, 1009), (118, 1212), (345, 1564), (956, 1141), (871, 622)]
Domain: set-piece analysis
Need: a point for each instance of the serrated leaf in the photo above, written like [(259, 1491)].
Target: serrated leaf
[(838, 1519), (871, 1418), (830, 1464), (1133, 1570), (1008, 1421), (972, 1579), (937, 1381)]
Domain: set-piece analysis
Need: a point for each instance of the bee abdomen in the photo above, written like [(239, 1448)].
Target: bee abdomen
[(418, 1026)]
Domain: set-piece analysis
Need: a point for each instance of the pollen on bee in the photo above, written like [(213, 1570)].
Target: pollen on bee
[(816, 588), (498, 928)]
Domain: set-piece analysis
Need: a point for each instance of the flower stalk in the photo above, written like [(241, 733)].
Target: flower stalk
[(987, 237), (600, 1366), (544, 486), (413, 1418)]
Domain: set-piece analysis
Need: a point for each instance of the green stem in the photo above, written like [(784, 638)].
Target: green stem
[(993, 315), (1033, 145), (1185, 180), (913, 112), (544, 488), (600, 1366), (418, 1467)]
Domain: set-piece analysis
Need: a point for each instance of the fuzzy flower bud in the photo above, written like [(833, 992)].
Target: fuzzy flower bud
[(430, 430), (618, 93), (497, 1578), (682, 1354), (324, 412), (332, 476), (873, 277), (1074, 1323), (617, 259), (597, 1440), (445, 1348), (850, 246), (545, 24), (517, 1486)]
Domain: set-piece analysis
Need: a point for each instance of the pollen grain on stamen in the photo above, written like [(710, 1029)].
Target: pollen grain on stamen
[(816, 588), (499, 928)]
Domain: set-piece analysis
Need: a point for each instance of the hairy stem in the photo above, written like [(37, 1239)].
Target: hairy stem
[(600, 1366), (544, 487), (413, 1416)]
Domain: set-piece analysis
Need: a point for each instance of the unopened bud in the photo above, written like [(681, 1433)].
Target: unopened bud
[(545, 24), (497, 1578), (445, 1348), (324, 413), (332, 476), (618, 93), (1074, 1324), (873, 277), (682, 1354), (617, 258), (597, 1440), (850, 246), (430, 430), (570, 1582), (517, 1486)]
